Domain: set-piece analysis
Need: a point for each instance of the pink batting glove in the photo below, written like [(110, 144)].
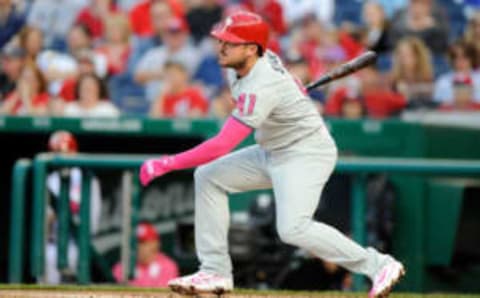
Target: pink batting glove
[(153, 168)]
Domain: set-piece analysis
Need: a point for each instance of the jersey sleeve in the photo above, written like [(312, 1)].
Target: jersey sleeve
[(253, 108)]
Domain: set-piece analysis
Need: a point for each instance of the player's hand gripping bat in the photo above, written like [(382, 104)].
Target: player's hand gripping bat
[(345, 69)]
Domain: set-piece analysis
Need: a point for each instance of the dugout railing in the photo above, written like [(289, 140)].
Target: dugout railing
[(359, 167)]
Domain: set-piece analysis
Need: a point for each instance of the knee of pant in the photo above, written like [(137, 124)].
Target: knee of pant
[(204, 173), (292, 232)]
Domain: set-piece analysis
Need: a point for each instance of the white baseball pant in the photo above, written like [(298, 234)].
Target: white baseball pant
[(297, 175)]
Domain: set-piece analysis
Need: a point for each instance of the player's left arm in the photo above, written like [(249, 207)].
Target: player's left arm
[(252, 108), (232, 133)]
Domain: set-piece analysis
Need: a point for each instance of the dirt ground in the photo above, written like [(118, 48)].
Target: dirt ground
[(119, 294)]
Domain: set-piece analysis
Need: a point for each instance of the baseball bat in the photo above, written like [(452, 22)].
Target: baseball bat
[(345, 69)]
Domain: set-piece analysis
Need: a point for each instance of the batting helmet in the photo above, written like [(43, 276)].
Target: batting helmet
[(62, 142), (243, 27)]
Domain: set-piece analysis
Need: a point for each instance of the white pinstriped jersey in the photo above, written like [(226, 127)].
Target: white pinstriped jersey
[(271, 101)]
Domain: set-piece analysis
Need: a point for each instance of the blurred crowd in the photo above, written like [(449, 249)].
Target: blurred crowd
[(107, 58)]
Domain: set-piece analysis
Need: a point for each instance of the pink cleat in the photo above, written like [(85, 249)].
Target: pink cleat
[(385, 279), (201, 282)]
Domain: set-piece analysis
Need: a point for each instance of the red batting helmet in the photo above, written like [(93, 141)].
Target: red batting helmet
[(243, 27), (62, 142)]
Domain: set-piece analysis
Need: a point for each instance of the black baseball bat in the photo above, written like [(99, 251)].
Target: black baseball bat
[(345, 69)]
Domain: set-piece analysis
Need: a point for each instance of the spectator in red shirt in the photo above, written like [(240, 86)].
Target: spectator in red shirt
[(378, 100), (179, 99), (92, 99), (30, 96), (383, 103), (140, 16), (345, 103), (463, 96), (117, 46), (86, 65), (95, 15), (350, 41), (153, 268), (317, 44)]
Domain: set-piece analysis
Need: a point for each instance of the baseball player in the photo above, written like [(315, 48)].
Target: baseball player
[(64, 142), (295, 155)]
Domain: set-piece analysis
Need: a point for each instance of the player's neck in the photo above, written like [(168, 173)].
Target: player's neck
[(243, 71)]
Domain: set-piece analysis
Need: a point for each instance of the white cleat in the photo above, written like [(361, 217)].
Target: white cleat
[(386, 278), (200, 283)]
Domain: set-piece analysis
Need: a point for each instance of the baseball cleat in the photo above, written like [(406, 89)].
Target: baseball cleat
[(386, 278), (201, 283)]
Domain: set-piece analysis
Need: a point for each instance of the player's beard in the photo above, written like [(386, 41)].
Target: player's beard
[(238, 64)]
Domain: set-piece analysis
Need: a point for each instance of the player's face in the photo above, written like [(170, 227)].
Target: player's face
[(234, 55)]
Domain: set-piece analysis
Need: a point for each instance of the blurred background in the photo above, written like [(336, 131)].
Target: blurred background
[(80, 78)]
